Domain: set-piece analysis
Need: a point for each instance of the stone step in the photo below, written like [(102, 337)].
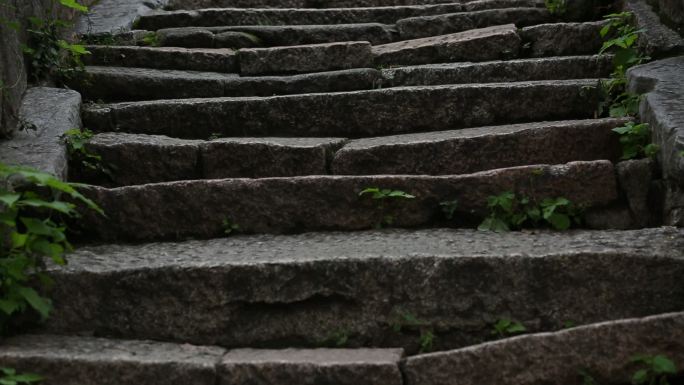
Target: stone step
[(291, 16), (424, 26), (278, 35), (491, 43), (305, 58), (200, 4), (310, 203), (558, 39), (351, 114), (204, 59), (483, 148), (139, 159), (564, 354), (67, 360), (285, 291), (112, 84)]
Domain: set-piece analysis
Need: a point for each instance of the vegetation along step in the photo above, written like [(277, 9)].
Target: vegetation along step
[(278, 205), (67, 360), (286, 291), (352, 114)]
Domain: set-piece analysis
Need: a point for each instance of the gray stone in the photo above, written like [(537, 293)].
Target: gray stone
[(267, 157), (305, 58), (112, 16), (560, 39), (111, 84), (293, 16), (672, 12), (310, 367), (570, 67), (288, 291), (634, 178), (499, 42), (352, 114), (483, 148), (562, 353), (278, 205), (46, 114), (230, 39), (663, 110), (616, 217), (186, 37), (64, 360), (199, 4), (673, 204), (205, 59), (479, 5), (656, 40), (424, 26)]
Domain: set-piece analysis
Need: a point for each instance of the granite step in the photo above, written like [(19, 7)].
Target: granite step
[(351, 114), (113, 84), (482, 148), (312, 203), (195, 59), (71, 360), (559, 39), (287, 291), (200, 4), (139, 159), (214, 17)]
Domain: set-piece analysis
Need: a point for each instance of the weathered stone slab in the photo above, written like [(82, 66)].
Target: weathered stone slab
[(305, 58), (480, 5), (309, 367), (656, 40), (120, 83), (206, 59), (66, 360), (286, 290), (196, 37), (289, 16), (569, 67), (267, 157), (563, 353), (279, 205), (46, 114), (500, 42), (279, 35), (634, 179), (558, 39), (423, 26), (483, 148), (352, 114), (199, 4), (112, 16)]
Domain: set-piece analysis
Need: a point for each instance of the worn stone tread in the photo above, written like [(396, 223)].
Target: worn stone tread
[(72, 360), (309, 203), (563, 353), (114, 84), (193, 59), (558, 39), (491, 43), (139, 159), (567, 67), (482, 148), (286, 290), (288, 16), (352, 114), (200, 4)]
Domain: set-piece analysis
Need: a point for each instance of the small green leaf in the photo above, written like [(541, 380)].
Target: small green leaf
[(640, 377), (40, 304), (9, 198), (663, 365), (73, 4)]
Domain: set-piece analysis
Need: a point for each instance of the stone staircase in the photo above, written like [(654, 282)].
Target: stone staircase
[(274, 116)]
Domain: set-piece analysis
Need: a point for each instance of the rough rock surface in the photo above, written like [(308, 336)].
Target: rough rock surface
[(46, 114), (604, 350), (277, 205), (311, 367), (483, 148), (351, 114), (634, 178), (286, 290), (656, 40), (560, 39), (499, 42), (110, 16), (305, 58)]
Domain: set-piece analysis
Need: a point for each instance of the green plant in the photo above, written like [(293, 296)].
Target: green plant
[(635, 140), (151, 39), (381, 196), (32, 230), (507, 213), (506, 327), (10, 376), (51, 55), (230, 227), (656, 370), (337, 339), (406, 320), (449, 208), (556, 7), (569, 324), (587, 378)]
